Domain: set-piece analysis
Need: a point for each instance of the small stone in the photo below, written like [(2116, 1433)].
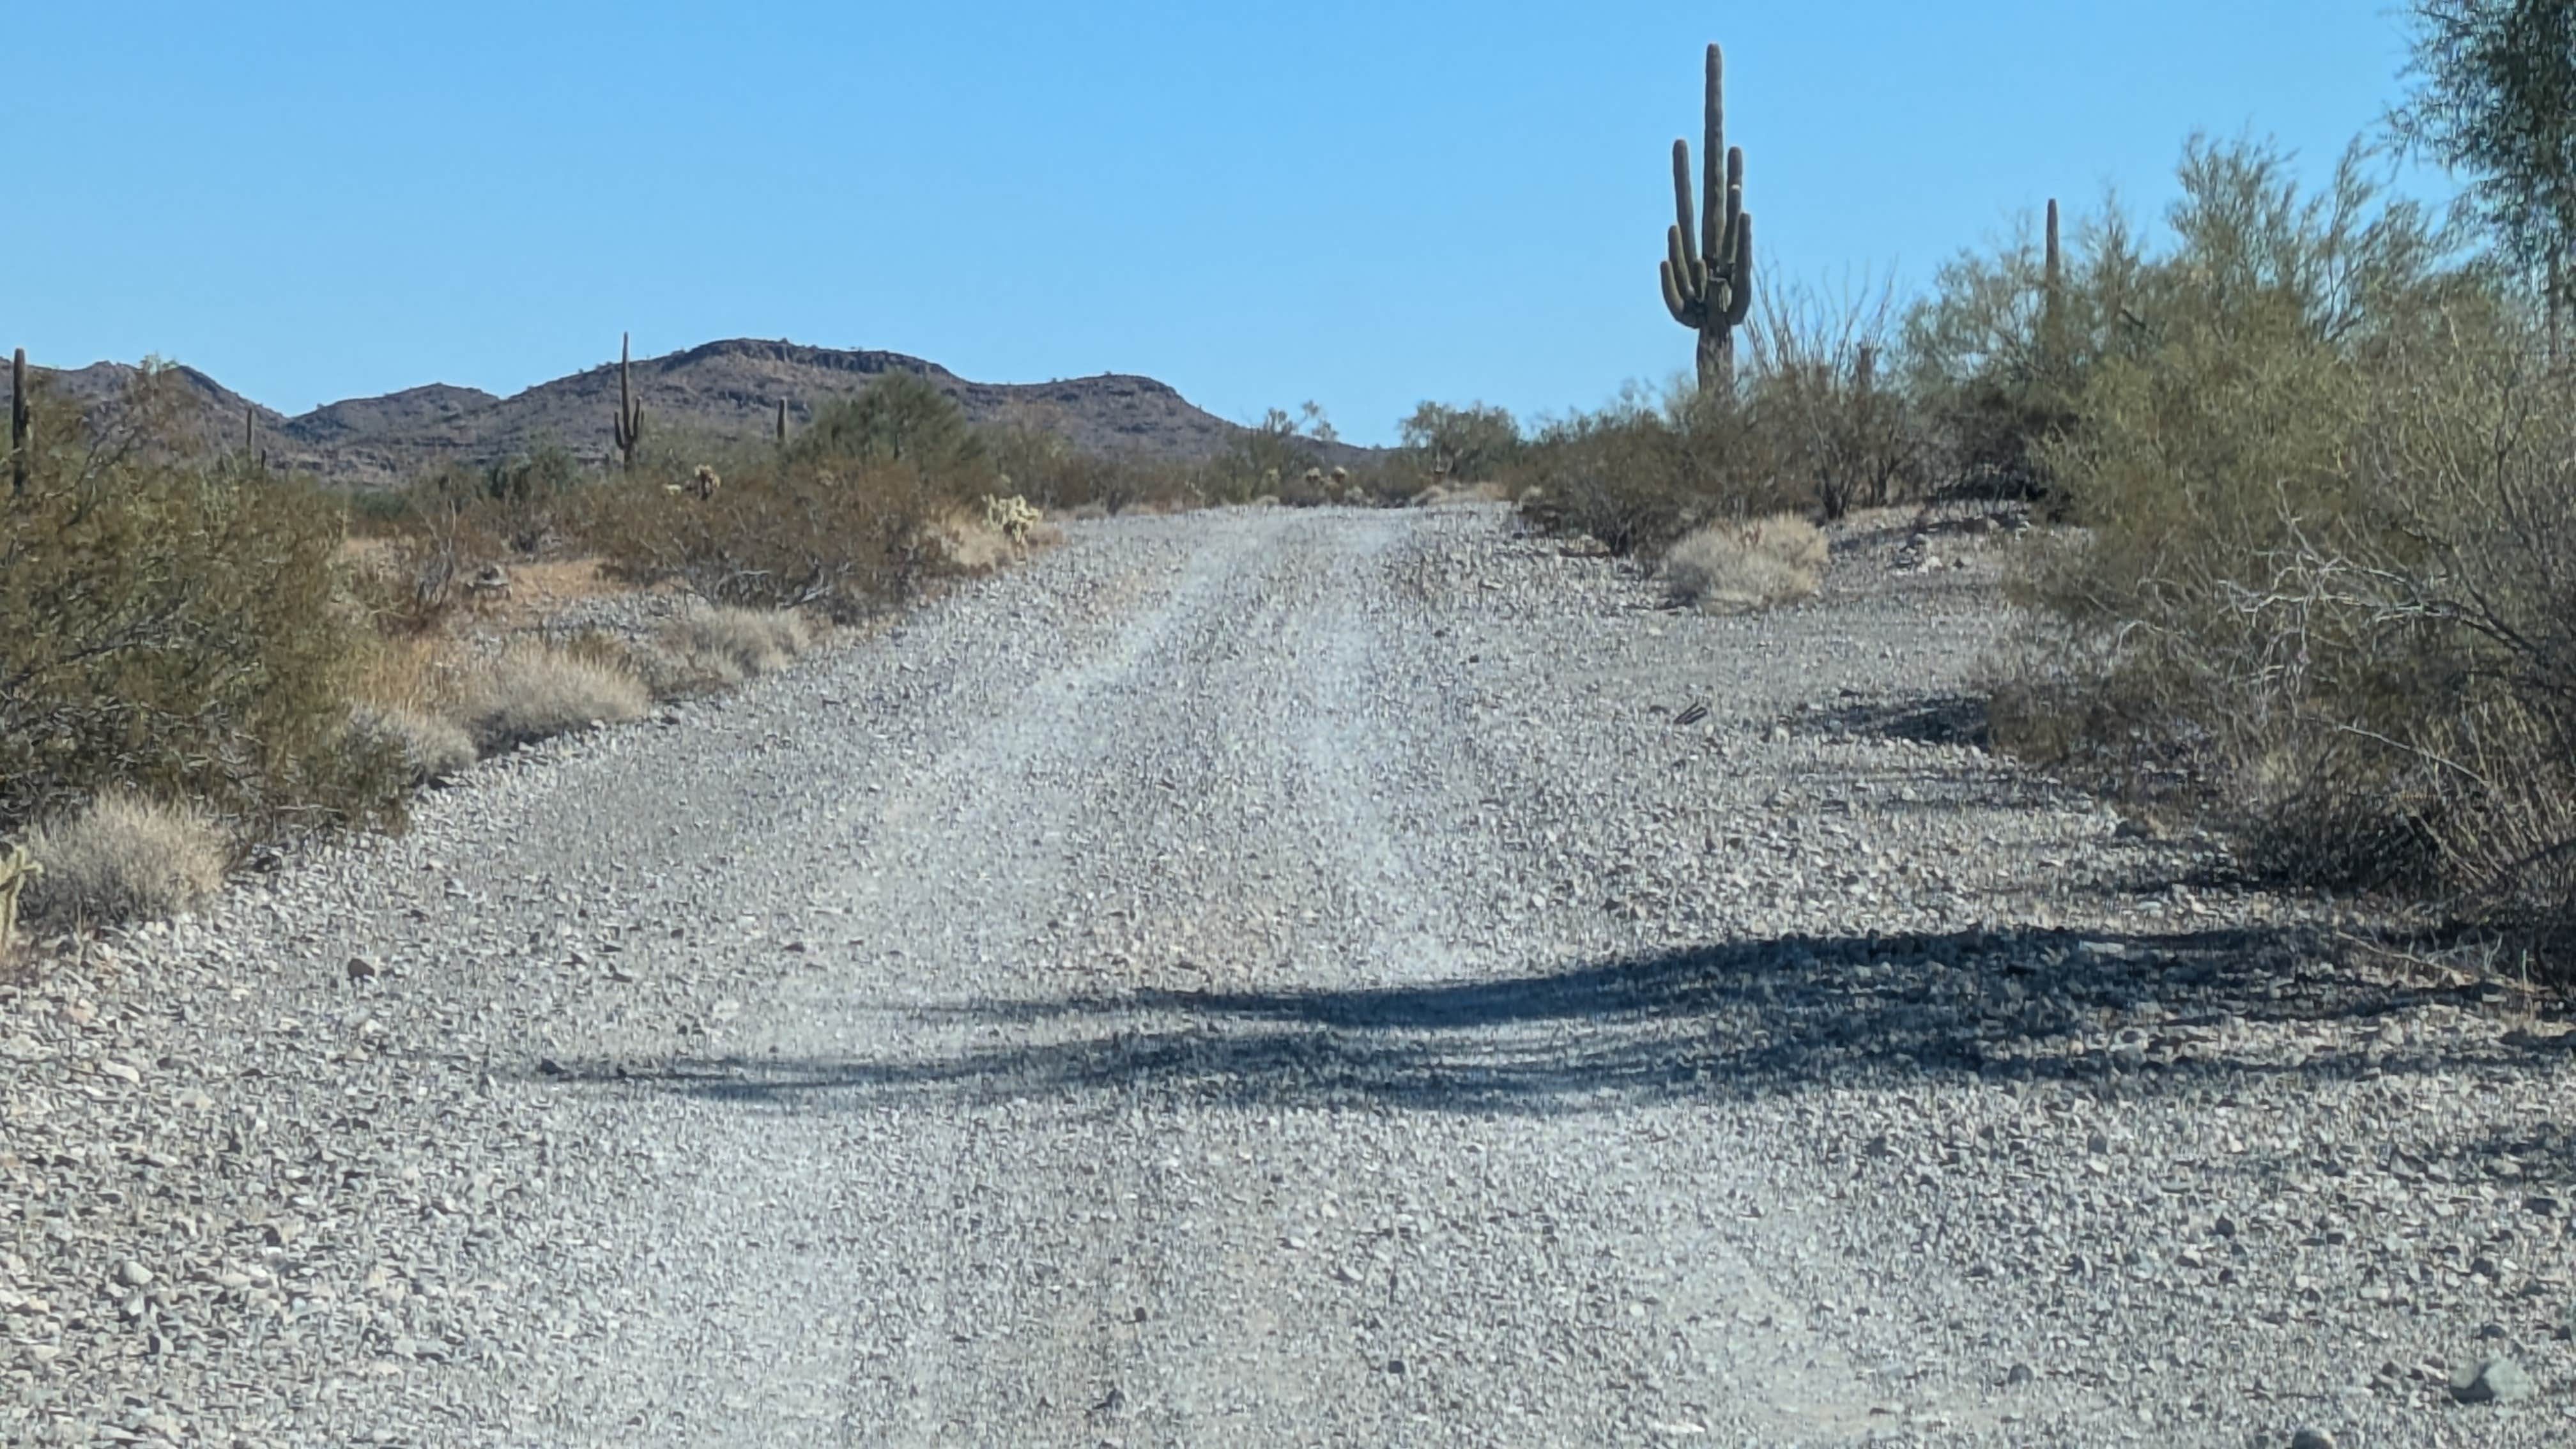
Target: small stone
[(2496, 1381), (2312, 1439), (134, 1275), (363, 968), (2018, 1375)]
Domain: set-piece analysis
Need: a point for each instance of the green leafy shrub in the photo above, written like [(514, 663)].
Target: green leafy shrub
[(2325, 592), (175, 630), (901, 419), (1470, 444), (1638, 476), (1994, 369), (843, 520)]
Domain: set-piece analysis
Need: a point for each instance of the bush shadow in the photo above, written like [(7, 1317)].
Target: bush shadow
[(1724, 1022)]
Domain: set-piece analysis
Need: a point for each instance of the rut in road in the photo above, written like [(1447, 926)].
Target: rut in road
[(1319, 977)]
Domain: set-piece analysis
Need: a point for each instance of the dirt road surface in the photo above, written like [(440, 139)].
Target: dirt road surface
[(1288, 977)]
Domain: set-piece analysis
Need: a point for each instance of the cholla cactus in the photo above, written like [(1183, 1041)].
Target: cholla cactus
[(1012, 516), (16, 869)]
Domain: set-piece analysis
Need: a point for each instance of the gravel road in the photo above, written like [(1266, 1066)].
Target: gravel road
[(1289, 977)]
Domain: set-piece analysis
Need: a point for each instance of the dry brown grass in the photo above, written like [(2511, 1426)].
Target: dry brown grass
[(738, 643), (433, 747), (534, 692), (125, 857), (1730, 566)]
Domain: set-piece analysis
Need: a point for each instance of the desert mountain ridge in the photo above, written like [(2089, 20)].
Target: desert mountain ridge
[(727, 389)]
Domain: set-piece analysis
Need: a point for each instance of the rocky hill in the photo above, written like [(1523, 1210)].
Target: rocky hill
[(718, 390)]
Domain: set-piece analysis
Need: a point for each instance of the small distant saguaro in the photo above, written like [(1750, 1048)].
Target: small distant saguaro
[(2052, 303), (21, 428), (630, 412), (1710, 290)]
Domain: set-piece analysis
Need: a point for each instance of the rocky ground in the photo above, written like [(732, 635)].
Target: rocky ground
[(1275, 976)]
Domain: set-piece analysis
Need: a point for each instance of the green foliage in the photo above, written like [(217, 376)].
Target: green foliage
[(1638, 476), (1266, 458), (174, 630), (1995, 357), (902, 418), (2495, 96), (1469, 444), (1048, 470), (810, 528), (2325, 593)]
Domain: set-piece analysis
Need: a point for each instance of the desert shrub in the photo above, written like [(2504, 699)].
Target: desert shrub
[(1751, 565), (124, 857), (902, 418), (1038, 464), (1639, 474), (536, 691), (2325, 594), (1994, 368), (842, 520), (1470, 444), (1270, 457), (523, 504), (1838, 432), (174, 630), (846, 539)]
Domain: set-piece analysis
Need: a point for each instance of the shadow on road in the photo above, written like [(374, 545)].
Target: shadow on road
[(1721, 1022)]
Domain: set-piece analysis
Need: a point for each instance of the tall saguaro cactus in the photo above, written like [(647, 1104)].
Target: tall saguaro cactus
[(20, 423), (630, 411), (1710, 290)]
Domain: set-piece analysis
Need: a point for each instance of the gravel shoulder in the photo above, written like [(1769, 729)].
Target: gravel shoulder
[(1267, 976)]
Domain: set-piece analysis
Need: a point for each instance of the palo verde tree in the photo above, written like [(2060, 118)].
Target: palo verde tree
[(2495, 99), (1710, 290)]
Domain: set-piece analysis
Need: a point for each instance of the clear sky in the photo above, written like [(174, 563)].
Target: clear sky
[(1363, 204)]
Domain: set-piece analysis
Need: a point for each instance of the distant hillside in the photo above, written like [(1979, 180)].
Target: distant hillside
[(722, 389)]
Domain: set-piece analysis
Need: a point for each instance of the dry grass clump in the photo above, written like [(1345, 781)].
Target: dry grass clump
[(1746, 565), (535, 691), (124, 857), (740, 643), (433, 748)]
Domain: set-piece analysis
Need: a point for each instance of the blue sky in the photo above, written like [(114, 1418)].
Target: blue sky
[(1366, 205)]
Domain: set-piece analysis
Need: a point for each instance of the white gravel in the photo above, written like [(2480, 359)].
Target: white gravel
[(1278, 977)]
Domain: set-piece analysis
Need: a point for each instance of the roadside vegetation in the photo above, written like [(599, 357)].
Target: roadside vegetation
[(2310, 451), (2309, 454), (204, 658)]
